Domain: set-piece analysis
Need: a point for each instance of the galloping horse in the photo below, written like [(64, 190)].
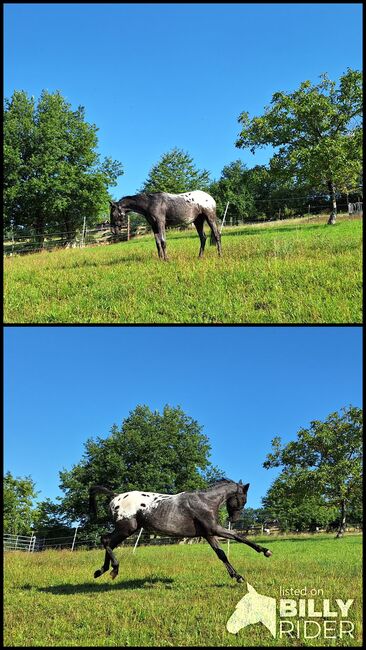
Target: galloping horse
[(163, 209), (187, 514)]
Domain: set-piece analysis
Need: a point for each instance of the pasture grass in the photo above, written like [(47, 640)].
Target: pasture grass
[(283, 272), (171, 595)]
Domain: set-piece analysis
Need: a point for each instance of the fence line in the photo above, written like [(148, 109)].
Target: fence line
[(86, 237), (33, 543)]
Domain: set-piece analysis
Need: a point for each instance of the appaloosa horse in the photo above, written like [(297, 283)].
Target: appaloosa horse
[(187, 514), (163, 209)]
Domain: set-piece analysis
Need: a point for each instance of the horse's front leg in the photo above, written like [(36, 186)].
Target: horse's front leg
[(159, 232), (230, 534), (213, 541)]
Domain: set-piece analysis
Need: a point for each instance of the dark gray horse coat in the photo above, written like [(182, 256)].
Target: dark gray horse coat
[(187, 514), (162, 209)]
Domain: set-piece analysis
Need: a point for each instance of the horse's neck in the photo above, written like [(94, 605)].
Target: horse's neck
[(135, 203), (222, 492)]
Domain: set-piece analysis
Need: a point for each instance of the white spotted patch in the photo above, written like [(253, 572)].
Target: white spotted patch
[(200, 198), (129, 503)]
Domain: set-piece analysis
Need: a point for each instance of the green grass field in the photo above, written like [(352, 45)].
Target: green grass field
[(172, 595), (283, 272)]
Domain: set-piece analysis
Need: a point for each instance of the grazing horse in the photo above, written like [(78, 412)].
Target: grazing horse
[(187, 514), (162, 209)]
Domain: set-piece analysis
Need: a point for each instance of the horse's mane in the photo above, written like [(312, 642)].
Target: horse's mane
[(218, 481)]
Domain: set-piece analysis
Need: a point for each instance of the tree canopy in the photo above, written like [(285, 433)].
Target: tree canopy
[(321, 469), (159, 452), (233, 187), (19, 494), (176, 172), (317, 131), (53, 175)]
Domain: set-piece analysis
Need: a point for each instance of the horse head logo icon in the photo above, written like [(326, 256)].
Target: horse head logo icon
[(253, 608)]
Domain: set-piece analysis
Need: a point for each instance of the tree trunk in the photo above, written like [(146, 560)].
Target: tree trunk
[(39, 228), (342, 523), (68, 232), (333, 214)]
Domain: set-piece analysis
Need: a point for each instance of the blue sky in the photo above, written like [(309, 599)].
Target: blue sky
[(244, 385), (157, 76)]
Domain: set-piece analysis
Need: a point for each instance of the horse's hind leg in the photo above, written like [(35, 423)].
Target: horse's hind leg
[(199, 222), (110, 541), (106, 540), (213, 541)]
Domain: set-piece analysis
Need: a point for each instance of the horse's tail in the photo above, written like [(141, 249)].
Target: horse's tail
[(212, 236), (92, 502), (213, 239)]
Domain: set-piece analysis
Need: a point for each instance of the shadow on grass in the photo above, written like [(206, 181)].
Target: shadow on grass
[(99, 263), (95, 587), (246, 231)]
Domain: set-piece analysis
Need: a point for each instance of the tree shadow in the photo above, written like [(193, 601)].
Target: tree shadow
[(93, 587)]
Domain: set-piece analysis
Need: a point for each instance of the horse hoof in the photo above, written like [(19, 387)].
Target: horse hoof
[(240, 579), (114, 574), (268, 553), (97, 573)]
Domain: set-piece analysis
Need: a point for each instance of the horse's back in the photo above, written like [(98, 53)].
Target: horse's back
[(198, 197), (129, 503)]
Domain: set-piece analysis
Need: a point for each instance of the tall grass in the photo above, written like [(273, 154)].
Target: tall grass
[(171, 596), (285, 272)]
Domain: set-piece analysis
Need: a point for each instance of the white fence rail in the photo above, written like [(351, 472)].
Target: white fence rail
[(33, 543), (19, 542)]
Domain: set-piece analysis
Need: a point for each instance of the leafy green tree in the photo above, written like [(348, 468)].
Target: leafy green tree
[(232, 187), (322, 468), (159, 452), (53, 176), (175, 172), (19, 494), (48, 520), (318, 132), (294, 507)]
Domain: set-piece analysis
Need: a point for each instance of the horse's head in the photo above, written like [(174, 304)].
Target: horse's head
[(237, 501), (117, 217)]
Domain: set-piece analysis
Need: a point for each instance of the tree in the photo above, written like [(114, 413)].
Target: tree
[(164, 452), (324, 464), (175, 172), (232, 186), (18, 504), (318, 132), (48, 520), (52, 173), (294, 507)]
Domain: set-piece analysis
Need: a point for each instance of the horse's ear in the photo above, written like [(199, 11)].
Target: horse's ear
[(111, 203), (246, 487), (251, 589), (240, 482)]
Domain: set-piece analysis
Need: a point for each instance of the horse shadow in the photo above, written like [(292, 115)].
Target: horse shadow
[(92, 587)]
